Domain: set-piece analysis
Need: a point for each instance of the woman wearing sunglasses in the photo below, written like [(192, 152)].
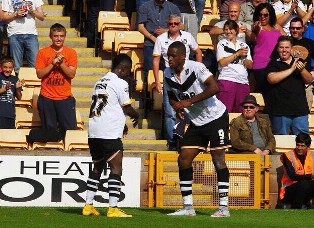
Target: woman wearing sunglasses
[(265, 32), (234, 58)]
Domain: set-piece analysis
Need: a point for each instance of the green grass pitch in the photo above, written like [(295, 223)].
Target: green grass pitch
[(155, 217)]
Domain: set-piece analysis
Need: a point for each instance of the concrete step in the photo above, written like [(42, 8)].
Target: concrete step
[(85, 81), (89, 62), (53, 10), (143, 134), (85, 52), (71, 32), (81, 92), (91, 71), (50, 20), (144, 124), (73, 42), (151, 145)]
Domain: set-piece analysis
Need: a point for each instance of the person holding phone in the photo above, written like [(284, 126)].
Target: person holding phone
[(234, 58)]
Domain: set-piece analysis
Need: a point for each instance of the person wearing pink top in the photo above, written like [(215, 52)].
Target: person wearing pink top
[(266, 33)]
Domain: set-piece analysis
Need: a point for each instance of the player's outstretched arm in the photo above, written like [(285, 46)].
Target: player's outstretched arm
[(129, 110)]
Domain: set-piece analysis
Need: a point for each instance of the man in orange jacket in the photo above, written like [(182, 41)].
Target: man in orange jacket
[(297, 180)]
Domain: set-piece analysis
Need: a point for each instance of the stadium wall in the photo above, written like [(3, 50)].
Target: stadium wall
[(275, 171)]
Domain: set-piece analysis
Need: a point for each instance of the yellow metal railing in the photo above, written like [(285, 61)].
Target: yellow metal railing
[(245, 181)]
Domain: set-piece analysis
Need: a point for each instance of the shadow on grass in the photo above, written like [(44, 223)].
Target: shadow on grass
[(165, 211)]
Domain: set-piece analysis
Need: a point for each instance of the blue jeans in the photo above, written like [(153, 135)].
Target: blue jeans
[(170, 118), (284, 125), (199, 5), (148, 58), (23, 44)]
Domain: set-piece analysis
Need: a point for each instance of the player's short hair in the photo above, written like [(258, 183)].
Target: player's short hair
[(179, 46), (57, 27), (121, 58), (304, 138), (7, 59)]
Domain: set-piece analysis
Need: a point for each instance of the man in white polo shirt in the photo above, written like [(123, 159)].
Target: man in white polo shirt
[(160, 49)]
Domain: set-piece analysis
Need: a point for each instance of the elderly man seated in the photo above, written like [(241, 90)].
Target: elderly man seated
[(251, 132)]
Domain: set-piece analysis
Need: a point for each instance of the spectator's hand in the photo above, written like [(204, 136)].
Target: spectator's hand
[(243, 52), (300, 65), (57, 59), (294, 5), (159, 31), (258, 151), (19, 83), (159, 87), (294, 65), (242, 28), (7, 85), (21, 12), (256, 27)]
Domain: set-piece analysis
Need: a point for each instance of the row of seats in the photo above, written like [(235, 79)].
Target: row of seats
[(78, 140), (16, 139), (27, 117)]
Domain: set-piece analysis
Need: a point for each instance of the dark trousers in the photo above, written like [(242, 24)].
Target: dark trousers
[(56, 114), (93, 8), (300, 193), (7, 123)]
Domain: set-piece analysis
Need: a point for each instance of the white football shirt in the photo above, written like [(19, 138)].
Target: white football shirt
[(193, 76), (107, 120)]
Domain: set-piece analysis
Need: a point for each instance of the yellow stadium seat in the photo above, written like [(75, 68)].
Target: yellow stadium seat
[(151, 79), (14, 138), (27, 97), (259, 99), (79, 121), (27, 118), (208, 7), (233, 115), (35, 97), (30, 77), (204, 41), (128, 40), (113, 20), (208, 20), (137, 58), (107, 38), (48, 145), (284, 143), (76, 140)]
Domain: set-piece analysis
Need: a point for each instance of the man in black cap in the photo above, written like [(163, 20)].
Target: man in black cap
[(251, 132)]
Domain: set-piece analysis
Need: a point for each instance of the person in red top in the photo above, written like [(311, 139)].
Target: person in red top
[(297, 184), (56, 67)]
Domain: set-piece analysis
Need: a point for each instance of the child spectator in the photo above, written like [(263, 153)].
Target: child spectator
[(10, 87)]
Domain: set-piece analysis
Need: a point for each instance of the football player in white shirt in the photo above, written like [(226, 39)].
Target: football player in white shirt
[(191, 89), (110, 101), (160, 50)]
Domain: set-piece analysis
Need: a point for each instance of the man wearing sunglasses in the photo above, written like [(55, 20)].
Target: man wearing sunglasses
[(251, 132), (160, 49), (296, 30)]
